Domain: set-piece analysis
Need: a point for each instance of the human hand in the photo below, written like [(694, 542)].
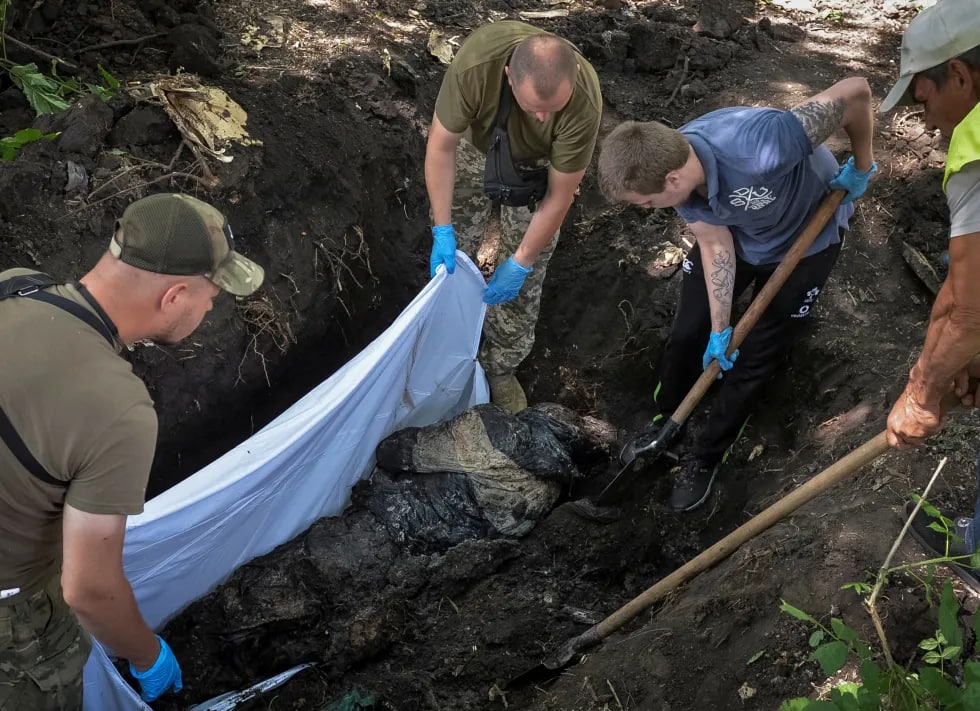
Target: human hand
[(717, 350), (911, 422), (852, 180), (968, 392), (163, 676), (443, 249), (506, 283)]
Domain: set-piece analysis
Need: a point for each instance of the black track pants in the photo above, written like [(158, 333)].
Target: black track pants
[(759, 355)]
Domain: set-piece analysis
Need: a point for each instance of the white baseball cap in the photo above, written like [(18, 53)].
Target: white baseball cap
[(936, 35)]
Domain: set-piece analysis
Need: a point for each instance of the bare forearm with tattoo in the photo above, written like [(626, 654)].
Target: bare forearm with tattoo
[(820, 118), (721, 278), (846, 105)]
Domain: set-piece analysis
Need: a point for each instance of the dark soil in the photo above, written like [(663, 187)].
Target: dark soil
[(333, 204)]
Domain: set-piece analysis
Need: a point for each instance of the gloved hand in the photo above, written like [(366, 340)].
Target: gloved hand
[(443, 249), (161, 677), (717, 347), (852, 180), (507, 281)]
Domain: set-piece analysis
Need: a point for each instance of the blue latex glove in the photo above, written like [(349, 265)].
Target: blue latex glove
[(443, 249), (852, 180), (507, 281), (717, 347), (163, 676)]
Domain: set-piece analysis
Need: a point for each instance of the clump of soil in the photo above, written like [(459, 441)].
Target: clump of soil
[(333, 204)]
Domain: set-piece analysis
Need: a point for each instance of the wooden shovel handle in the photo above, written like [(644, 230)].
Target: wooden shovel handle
[(833, 474), (762, 300)]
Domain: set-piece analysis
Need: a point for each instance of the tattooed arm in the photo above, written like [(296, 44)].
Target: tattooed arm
[(718, 258), (847, 105)]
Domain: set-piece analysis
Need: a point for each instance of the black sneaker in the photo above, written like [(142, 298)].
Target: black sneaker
[(939, 544), (692, 484)]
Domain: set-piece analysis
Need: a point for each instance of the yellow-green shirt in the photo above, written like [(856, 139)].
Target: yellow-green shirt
[(84, 416), (470, 95), (964, 144)]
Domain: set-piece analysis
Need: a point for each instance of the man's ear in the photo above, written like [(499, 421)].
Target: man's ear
[(672, 179), (172, 297), (959, 73)]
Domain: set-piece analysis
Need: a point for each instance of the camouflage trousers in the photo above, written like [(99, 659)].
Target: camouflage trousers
[(508, 330), (43, 649)]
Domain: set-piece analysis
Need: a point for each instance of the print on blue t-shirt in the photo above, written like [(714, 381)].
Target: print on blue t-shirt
[(764, 180)]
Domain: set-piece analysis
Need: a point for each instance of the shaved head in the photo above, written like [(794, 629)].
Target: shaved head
[(546, 61)]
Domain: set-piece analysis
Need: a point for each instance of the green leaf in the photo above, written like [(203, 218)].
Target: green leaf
[(939, 686), (798, 704), (971, 697), (845, 697), (863, 650), (10, 145), (931, 657), (869, 696), (929, 643), (842, 631), (831, 656), (949, 625), (930, 510), (816, 638), (951, 652), (99, 91), (110, 80), (859, 588), (796, 612), (42, 92), (971, 673), (756, 657)]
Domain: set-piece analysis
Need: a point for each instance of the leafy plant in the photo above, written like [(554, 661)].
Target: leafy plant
[(10, 145), (49, 93), (943, 679), (942, 683)]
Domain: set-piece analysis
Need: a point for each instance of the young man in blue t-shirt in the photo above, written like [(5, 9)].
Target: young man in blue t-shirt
[(746, 181)]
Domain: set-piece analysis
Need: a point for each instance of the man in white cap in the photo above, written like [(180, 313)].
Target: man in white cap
[(940, 69)]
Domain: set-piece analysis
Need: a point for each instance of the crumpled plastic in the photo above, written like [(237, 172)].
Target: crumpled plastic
[(205, 115)]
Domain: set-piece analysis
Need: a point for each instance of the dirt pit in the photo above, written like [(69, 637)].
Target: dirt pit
[(332, 202)]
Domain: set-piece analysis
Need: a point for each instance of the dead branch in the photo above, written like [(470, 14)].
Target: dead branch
[(680, 82), (121, 43), (41, 54)]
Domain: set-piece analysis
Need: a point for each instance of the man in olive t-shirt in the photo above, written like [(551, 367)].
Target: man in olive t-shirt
[(77, 437), (554, 121)]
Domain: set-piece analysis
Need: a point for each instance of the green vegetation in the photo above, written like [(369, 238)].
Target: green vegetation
[(46, 93), (944, 676), (9, 145)]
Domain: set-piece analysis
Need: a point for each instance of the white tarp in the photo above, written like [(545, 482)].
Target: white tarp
[(301, 466)]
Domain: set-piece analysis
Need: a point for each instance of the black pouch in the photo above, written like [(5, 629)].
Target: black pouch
[(504, 182)]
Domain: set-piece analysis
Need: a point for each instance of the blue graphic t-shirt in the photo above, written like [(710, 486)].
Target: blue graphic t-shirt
[(764, 181)]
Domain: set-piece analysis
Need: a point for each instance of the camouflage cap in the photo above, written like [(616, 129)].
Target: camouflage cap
[(171, 233)]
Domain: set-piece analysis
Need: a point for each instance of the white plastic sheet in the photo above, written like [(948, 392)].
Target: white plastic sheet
[(301, 466)]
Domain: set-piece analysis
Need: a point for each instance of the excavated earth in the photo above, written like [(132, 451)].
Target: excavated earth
[(332, 202)]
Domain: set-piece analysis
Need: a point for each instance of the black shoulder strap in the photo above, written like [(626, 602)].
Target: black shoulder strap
[(31, 286), (503, 107), (16, 445)]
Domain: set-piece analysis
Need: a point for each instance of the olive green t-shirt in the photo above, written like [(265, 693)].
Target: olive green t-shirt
[(84, 416), (470, 95)]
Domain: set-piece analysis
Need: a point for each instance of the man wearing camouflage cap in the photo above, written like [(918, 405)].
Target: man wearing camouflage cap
[(940, 70), (77, 438)]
